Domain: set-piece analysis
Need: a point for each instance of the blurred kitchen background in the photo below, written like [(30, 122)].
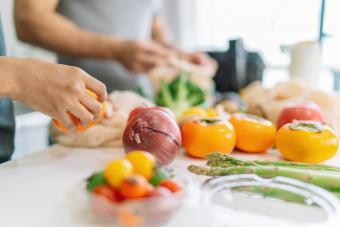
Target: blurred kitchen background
[(275, 31)]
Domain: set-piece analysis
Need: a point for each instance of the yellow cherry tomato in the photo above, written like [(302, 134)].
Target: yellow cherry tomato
[(117, 171), (307, 141), (211, 112), (143, 163), (253, 133), (194, 111), (206, 135)]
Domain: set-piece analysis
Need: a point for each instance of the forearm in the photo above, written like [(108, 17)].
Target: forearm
[(8, 76), (50, 30), (159, 33)]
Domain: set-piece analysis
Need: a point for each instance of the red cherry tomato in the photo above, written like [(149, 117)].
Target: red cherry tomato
[(172, 185), (106, 192), (301, 110), (160, 191)]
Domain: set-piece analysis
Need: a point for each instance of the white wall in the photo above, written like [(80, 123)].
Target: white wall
[(15, 48), (180, 19), (178, 14)]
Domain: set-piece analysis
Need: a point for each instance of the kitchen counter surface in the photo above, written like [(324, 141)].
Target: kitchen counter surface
[(47, 188)]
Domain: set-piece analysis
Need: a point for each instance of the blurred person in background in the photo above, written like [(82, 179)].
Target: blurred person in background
[(114, 40), (53, 89)]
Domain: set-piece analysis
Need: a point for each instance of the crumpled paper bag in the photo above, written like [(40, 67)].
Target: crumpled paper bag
[(269, 102)]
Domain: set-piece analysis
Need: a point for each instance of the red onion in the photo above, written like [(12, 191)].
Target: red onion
[(154, 130)]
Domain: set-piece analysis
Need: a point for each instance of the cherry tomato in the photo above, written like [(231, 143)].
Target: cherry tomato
[(198, 112), (300, 111), (135, 187), (194, 111), (253, 133), (307, 141), (172, 185), (143, 163), (117, 171), (159, 175), (212, 112), (106, 191), (160, 191), (206, 135)]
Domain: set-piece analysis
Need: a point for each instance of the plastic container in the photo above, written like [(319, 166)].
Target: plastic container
[(153, 211), (244, 199)]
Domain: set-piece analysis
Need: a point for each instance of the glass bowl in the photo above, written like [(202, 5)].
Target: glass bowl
[(281, 200), (153, 211)]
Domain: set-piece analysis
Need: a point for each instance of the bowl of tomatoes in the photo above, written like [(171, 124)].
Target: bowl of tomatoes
[(134, 191)]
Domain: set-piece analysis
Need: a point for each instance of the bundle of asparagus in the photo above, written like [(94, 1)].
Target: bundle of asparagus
[(325, 176)]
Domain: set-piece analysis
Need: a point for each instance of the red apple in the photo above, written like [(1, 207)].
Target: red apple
[(300, 110)]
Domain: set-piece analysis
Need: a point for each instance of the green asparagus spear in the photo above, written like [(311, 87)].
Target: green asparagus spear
[(325, 176), (272, 193), (224, 160), (327, 180), (296, 165)]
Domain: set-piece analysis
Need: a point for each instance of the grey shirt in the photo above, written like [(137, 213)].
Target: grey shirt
[(120, 18), (7, 125)]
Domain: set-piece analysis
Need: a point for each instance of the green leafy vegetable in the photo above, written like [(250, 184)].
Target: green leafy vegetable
[(95, 180), (180, 94)]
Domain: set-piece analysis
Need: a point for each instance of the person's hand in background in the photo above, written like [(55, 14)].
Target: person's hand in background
[(201, 59), (141, 56), (160, 35), (56, 90)]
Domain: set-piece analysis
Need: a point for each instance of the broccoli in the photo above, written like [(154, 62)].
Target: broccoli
[(180, 94)]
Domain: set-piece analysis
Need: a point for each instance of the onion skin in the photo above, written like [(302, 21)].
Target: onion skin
[(154, 130)]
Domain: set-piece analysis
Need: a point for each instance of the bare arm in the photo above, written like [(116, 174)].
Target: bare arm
[(160, 35), (38, 23), (159, 32), (7, 87), (53, 89)]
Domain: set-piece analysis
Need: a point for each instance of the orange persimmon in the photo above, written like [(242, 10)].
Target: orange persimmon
[(253, 133), (207, 135), (80, 127)]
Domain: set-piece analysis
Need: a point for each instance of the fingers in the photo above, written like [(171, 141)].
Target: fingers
[(91, 104), (201, 59), (157, 50), (150, 56), (96, 86), (67, 122), (146, 62), (80, 112), (198, 59)]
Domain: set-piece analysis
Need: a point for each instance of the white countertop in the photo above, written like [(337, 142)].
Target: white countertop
[(47, 188)]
